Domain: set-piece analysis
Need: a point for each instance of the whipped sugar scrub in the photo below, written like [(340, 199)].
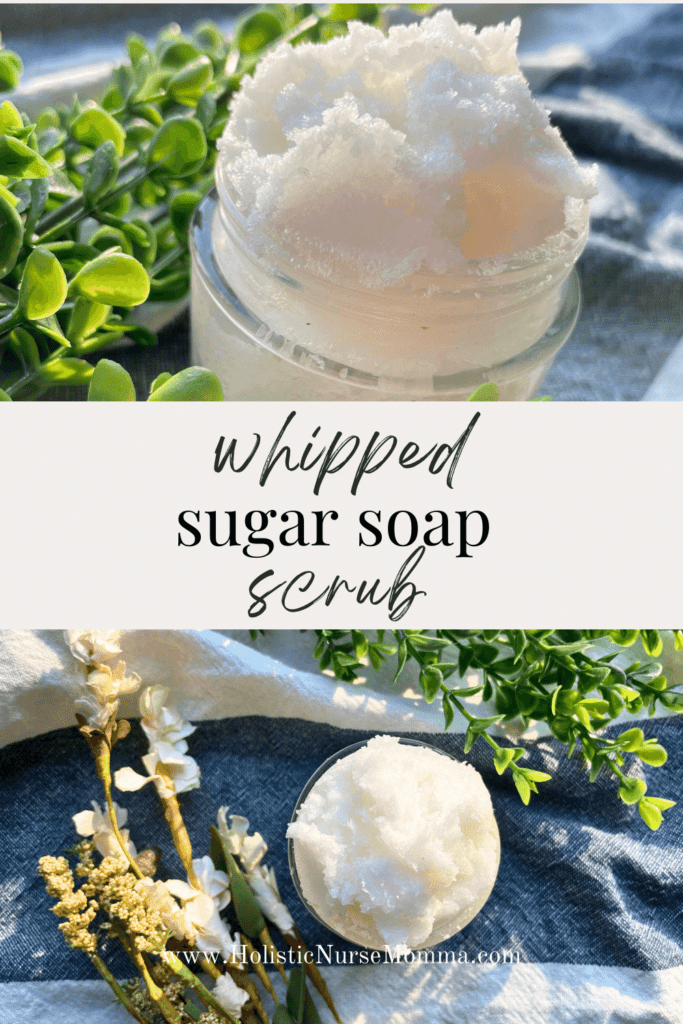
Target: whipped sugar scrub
[(394, 218), (394, 844)]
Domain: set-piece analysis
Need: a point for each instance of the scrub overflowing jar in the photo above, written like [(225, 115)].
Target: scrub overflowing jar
[(394, 218), (393, 844)]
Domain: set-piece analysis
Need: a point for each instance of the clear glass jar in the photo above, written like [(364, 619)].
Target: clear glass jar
[(302, 873), (273, 331)]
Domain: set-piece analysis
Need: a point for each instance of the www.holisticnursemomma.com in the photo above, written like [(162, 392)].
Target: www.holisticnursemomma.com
[(327, 955)]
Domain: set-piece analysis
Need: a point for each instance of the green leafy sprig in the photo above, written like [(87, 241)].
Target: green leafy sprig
[(542, 675), (96, 199)]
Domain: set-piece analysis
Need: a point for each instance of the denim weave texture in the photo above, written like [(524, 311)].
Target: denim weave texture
[(582, 879)]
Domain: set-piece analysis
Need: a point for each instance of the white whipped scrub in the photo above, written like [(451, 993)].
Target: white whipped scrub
[(396, 845), (373, 158)]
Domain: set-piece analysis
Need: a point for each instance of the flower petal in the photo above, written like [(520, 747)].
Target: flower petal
[(126, 779)]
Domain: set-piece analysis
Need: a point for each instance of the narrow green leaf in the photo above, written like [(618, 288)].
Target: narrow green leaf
[(650, 813), (249, 915), (296, 994), (523, 787)]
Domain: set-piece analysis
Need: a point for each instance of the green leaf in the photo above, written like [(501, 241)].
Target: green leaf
[(94, 126), (502, 757), (650, 813), (66, 371), (296, 994), (663, 805), (624, 637), (9, 117), (192, 385), (176, 53), (482, 724), (216, 850), (402, 657), (631, 739), (178, 148), (281, 1015), (652, 753), (250, 918), (158, 381), (50, 327), (24, 344), (355, 12), (534, 776), (17, 160), (113, 279), (187, 85), (430, 681), (4, 397), (43, 285), (85, 318), (485, 393), (652, 642), (11, 68), (574, 648), (595, 706), (672, 700), (523, 787), (360, 643), (183, 206), (11, 235), (631, 790), (144, 254), (257, 31), (111, 383), (101, 173)]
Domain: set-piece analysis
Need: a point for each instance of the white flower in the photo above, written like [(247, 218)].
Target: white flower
[(213, 882), (231, 997), (100, 700), (158, 898), (264, 887), (98, 824), (161, 723), (251, 850), (183, 771), (96, 715), (211, 934), (93, 646)]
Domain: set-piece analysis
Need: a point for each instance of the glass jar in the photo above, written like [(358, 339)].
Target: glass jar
[(274, 331), (303, 875)]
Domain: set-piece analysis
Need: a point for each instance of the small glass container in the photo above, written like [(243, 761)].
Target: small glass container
[(298, 866), (274, 331)]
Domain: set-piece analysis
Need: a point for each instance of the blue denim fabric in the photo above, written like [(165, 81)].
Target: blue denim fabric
[(632, 268), (582, 880)]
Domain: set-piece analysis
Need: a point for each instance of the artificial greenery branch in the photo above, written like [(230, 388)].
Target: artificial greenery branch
[(534, 675), (96, 199)]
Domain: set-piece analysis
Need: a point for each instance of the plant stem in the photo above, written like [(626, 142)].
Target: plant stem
[(181, 839), (106, 782), (100, 966), (166, 260), (183, 971), (156, 993), (260, 970)]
